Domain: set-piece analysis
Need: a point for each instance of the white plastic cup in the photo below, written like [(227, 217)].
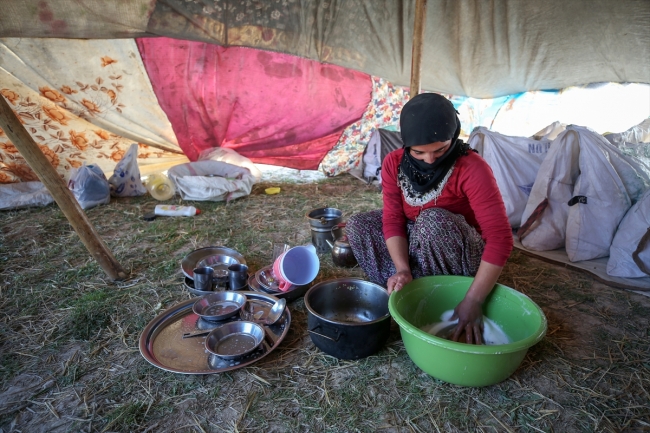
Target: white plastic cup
[(297, 266)]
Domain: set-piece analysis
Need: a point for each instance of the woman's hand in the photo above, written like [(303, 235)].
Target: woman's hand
[(398, 280), (470, 312), (470, 319)]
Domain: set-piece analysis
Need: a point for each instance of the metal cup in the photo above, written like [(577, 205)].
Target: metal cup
[(237, 276), (203, 278)]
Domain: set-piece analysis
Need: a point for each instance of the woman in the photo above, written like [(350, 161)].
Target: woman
[(443, 213)]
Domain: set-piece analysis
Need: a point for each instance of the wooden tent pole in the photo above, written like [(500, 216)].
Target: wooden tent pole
[(418, 41), (60, 192)]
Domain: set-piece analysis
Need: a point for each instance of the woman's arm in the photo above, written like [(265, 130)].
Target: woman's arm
[(399, 253), (480, 187)]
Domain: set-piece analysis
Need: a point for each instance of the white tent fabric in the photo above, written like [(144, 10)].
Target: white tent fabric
[(481, 49)]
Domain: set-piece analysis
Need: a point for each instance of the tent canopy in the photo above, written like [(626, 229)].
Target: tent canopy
[(482, 49)]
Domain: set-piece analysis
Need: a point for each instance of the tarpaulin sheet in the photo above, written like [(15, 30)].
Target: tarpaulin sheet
[(270, 107), (482, 49)]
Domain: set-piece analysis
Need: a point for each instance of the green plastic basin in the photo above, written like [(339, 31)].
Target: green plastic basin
[(422, 301)]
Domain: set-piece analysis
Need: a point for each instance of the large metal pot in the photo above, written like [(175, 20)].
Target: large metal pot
[(348, 318)]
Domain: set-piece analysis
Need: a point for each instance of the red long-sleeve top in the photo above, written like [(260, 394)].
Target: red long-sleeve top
[(471, 191)]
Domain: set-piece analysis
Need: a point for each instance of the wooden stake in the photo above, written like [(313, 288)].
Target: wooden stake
[(418, 42), (59, 190)]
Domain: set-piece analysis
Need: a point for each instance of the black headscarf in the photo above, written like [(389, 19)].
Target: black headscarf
[(429, 118)]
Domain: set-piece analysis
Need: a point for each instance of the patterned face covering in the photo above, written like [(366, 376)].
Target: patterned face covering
[(429, 118)]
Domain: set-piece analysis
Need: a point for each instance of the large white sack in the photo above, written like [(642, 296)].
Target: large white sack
[(211, 180), (554, 182), (551, 131), (600, 199), (631, 240), (637, 134), (514, 162), (225, 154), (634, 142), (24, 194)]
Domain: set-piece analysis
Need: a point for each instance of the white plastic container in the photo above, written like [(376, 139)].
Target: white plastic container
[(172, 210)]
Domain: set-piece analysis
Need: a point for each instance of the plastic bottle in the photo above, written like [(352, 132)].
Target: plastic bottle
[(160, 186), (171, 210)]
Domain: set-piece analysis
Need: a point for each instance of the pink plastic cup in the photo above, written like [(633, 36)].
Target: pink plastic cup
[(297, 266)]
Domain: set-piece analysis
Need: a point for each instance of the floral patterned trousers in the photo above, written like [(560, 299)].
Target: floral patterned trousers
[(440, 243)]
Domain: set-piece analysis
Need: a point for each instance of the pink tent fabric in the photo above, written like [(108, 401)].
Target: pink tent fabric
[(270, 107)]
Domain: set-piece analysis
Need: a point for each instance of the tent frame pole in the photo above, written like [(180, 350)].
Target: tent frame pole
[(418, 42), (60, 192)]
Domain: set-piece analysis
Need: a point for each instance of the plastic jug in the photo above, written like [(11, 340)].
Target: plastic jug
[(160, 186)]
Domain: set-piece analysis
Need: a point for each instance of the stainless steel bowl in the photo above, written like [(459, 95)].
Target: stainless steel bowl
[(234, 339), (219, 305)]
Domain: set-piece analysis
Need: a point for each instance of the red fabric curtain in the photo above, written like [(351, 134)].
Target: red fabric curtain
[(270, 107)]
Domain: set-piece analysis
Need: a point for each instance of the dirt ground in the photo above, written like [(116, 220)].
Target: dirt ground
[(69, 358)]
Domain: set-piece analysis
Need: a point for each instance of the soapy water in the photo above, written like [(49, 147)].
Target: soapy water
[(492, 333)]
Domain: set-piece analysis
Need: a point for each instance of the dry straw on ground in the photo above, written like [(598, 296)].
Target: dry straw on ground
[(69, 359)]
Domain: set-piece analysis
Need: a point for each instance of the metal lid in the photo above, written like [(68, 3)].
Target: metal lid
[(342, 242)]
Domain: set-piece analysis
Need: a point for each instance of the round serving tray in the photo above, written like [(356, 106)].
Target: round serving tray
[(191, 260), (163, 345)]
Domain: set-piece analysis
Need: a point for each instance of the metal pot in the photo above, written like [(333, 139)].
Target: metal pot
[(342, 254), (322, 222), (348, 318)]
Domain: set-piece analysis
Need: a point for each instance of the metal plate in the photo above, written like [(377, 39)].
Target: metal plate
[(267, 280), (293, 294), (191, 260), (162, 343)]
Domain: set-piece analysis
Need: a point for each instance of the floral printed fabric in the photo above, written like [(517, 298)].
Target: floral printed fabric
[(91, 113), (383, 110)]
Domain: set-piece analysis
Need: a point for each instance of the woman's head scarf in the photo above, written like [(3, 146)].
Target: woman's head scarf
[(429, 118)]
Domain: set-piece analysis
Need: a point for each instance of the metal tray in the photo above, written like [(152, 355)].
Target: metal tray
[(162, 343), (191, 260)]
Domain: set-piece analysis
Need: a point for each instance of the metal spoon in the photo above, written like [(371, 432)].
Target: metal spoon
[(196, 334)]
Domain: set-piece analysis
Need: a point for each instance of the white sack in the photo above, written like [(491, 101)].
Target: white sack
[(604, 182), (225, 154), (24, 194), (372, 157), (211, 180), (599, 204), (637, 134), (628, 240), (515, 162), (555, 180), (551, 131)]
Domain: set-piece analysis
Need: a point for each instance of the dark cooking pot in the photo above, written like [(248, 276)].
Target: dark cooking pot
[(348, 318)]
